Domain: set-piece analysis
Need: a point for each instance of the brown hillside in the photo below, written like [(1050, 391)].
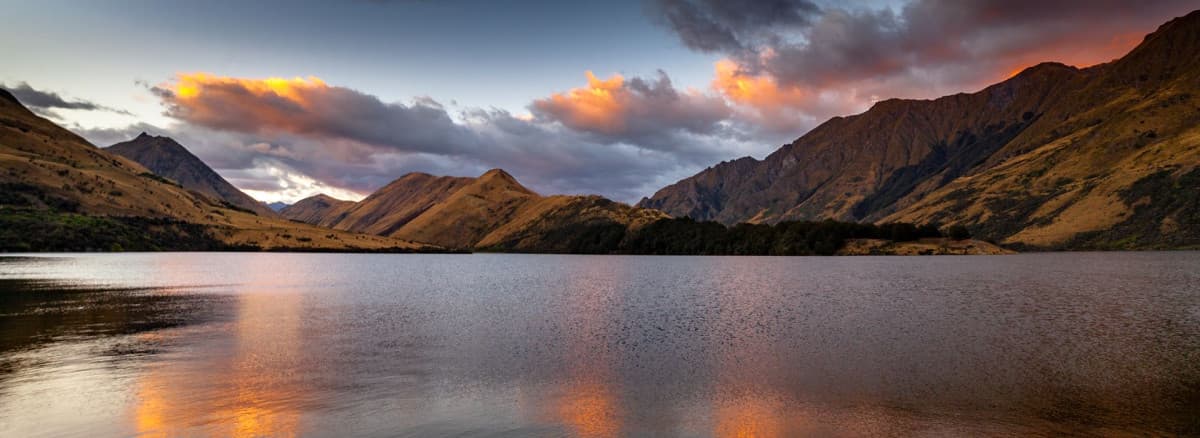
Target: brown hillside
[(470, 213), (552, 224), (49, 169), (492, 211), (388, 209), (315, 209)]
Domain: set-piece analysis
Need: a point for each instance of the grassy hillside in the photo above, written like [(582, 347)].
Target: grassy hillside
[(51, 175)]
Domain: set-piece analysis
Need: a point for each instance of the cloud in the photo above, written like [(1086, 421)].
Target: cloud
[(763, 102), (641, 111), (284, 138), (47, 101), (731, 25), (810, 63), (273, 181), (308, 107)]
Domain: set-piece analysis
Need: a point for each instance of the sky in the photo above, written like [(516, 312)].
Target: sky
[(287, 99)]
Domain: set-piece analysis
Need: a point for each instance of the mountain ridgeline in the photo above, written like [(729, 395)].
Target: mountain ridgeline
[(495, 213), (1055, 158), (492, 211)]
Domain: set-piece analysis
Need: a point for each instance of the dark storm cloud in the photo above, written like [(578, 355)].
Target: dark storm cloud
[(963, 39), (731, 25), (949, 41), (48, 100)]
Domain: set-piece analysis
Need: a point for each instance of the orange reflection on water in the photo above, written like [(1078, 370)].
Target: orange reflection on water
[(590, 410), (246, 392), (743, 406), (589, 404), (150, 412), (747, 417)]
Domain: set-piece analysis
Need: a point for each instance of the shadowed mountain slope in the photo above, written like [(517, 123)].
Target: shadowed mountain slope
[(166, 157)]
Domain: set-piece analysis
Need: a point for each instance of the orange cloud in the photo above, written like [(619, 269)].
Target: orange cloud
[(764, 101), (598, 107), (224, 101), (759, 91), (634, 109), (308, 107), (191, 85)]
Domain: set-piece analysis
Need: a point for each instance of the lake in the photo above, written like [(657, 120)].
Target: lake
[(268, 344)]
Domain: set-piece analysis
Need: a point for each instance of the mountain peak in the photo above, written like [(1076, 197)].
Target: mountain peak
[(324, 197), (498, 178), (1171, 50), (416, 175), (497, 173), (4, 94), (166, 157), (1044, 68)]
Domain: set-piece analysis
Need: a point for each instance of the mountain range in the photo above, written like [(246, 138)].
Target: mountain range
[(492, 211), (1055, 157)]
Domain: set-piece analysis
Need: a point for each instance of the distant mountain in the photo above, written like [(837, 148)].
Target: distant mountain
[(167, 158), (277, 206), (314, 209), (394, 205), (493, 211), (1054, 157), (468, 214), (58, 193)]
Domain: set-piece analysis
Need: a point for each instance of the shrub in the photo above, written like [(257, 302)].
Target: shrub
[(958, 232)]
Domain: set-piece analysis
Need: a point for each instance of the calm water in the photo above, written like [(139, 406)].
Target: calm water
[(595, 346)]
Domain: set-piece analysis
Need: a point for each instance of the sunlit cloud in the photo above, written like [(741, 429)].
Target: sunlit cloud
[(599, 107), (639, 111), (309, 107)]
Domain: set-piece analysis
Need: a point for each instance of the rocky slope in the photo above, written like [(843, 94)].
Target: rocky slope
[(493, 211), (1055, 157), (52, 179), (165, 157)]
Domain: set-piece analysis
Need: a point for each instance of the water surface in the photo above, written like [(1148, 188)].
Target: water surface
[(253, 344)]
